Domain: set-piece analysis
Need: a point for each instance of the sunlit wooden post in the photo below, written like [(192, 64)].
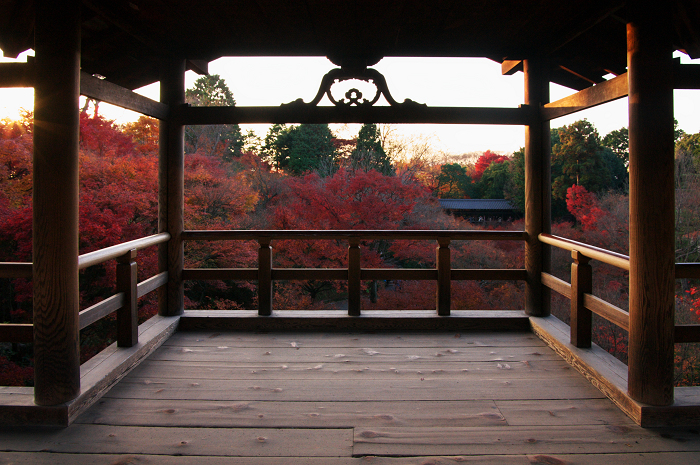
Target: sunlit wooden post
[(444, 282), (55, 202), (581, 283), (537, 187), (171, 177), (354, 275), (652, 251), (127, 316), (265, 277)]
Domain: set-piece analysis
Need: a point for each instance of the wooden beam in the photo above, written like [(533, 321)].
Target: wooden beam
[(488, 275), (233, 274), (55, 202), (265, 288), (17, 74), (101, 310), (151, 284), (510, 67), (15, 270), (200, 67), (300, 274), (604, 92), (688, 270), (171, 185), (293, 113), (465, 235), (686, 77), (20, 333), (607, 310), (557, 285), (651, 221), (686, 333), (105, 91), (537, 217)]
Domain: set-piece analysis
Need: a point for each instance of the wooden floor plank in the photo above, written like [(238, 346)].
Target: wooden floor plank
[(561, 412), (521, 439), (327, 390), (389, 399), (541, 369), (658, 458), (343, 355), (139, 412), (273, 340), (233, 442)]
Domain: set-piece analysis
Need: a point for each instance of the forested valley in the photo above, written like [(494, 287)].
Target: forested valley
[(304, 177)]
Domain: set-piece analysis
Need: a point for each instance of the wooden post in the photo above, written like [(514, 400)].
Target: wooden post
[(171, 189), (537, 187), (581, 283), (444, 282), (55, 202), (652, 251), (127, 316), (265, 277), (354, 275)]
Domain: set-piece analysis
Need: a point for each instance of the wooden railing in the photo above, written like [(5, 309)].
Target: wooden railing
[(354, 274), (580, 291), (124, 302)]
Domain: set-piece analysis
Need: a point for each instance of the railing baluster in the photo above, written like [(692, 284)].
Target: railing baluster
[(444, 290), (265, 277), (127, 315), (581, 283), (354, 274)]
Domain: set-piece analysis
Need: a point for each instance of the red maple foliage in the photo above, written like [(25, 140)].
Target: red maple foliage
[(484, 162)]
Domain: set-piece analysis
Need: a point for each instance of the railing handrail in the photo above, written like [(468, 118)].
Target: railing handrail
[(596, 253), (15, 269), (403, 234), (115, 251)]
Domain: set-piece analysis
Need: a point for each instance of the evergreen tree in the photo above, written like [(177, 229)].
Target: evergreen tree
[(225, 140), (580, 158), (369, 153), (300, 149)]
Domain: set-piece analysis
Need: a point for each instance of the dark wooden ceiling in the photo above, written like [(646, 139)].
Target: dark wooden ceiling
[(124, 40)]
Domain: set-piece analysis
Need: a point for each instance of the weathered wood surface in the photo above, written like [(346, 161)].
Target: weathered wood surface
[(519, 439), (661, 458), (378, 114), (17, 332), (397, 410), (603, 92), (106, 91)]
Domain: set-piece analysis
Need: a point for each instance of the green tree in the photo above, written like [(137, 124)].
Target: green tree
[(454, 183), (225, 140), (618, 142), (580, 157), (515, 188), (494, 180), (369, 153), (300, 149)]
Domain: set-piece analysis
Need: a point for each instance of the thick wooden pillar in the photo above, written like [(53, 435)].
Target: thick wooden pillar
[(55, 202), (652, 253), (171, 190), (537, 188)]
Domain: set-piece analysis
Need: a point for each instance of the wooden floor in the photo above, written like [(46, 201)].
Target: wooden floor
[(283, 398)]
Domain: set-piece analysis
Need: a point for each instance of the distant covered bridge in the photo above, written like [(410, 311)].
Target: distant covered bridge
[(481, 210)]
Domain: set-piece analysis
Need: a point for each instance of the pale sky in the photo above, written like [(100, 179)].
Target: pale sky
[(435, 81)]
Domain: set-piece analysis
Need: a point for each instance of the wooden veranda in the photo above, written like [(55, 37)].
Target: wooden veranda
[(136, 42)]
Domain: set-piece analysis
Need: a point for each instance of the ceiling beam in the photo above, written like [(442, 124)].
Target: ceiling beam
[(604, 92)]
